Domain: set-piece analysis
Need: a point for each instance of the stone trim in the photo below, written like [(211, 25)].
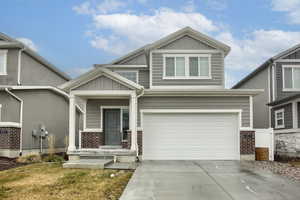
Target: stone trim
[(247, 142), (9, 138), (140, 141), (92, 139), (287, 145)]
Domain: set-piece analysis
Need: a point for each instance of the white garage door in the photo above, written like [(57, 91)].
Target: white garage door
[(190, 136)]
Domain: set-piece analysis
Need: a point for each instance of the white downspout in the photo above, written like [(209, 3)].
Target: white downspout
[(19, 65), (21, 117), (137, 102)]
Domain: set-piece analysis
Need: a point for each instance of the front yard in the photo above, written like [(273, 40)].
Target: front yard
[(50, 181)]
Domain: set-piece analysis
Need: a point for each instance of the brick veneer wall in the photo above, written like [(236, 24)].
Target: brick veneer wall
[(92, 139), (140, 141), (247, 142), (9, 138)]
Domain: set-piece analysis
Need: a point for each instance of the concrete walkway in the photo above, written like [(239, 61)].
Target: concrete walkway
[(209, 180)]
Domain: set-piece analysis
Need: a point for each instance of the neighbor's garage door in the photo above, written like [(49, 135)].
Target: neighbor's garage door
[(194, 136)]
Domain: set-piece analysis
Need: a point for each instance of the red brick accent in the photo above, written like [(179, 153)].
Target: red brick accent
[(92, 139), (140, 141), (126, 144), (247, 142), (9, 138)]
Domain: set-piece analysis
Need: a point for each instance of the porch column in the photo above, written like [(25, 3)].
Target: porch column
[(133, 121), (72, 112)]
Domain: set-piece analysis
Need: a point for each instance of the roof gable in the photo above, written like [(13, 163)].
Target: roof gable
[(90, 80)]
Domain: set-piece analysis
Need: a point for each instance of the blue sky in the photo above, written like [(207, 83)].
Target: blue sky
[(75, 34)]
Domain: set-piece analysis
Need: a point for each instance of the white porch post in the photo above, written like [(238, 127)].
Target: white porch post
[(72, 112), (133, 121)]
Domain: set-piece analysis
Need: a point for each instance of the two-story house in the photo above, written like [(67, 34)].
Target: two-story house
[(30, 103), (164, 101), (279, 106)]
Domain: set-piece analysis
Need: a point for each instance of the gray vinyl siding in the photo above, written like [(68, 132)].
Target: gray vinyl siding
[(12, 68), (93, 111), (217, 72), (197, 103), (280, 94), (35, 73), (187, 43), (10, 108), (295, 55), (288, 115), (40, 107), (135, 60), (142, 73), (102, 83), (260, 108)]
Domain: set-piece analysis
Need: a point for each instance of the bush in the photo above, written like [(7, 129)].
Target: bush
[(53, 158), (34, 158)]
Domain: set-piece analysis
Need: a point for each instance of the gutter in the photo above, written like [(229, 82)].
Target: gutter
[(137, 145), (21, 117), (19, 64)]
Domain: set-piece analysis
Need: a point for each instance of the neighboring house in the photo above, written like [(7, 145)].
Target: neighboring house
[(279, 106), (29, 100), (164, 101)]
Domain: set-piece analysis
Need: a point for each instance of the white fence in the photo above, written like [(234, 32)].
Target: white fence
[(265, 138)]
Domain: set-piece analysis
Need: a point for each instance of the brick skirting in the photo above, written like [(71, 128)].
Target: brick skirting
[(9, 138), (247, 142), (140, 141), (92, 139)]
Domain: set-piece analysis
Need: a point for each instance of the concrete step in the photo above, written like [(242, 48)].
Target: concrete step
[(124, 165), (88, 163)]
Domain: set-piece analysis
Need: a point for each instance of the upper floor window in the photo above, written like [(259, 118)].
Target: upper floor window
[(3, 62), (279, 118), (131, 75), (291, 77), (187, 66)]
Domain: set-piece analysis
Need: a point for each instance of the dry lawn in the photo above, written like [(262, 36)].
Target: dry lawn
[(51, 181)]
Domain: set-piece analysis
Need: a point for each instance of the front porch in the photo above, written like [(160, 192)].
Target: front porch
[(103, 125)]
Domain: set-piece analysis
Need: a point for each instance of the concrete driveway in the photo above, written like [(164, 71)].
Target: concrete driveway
[(211, 180)]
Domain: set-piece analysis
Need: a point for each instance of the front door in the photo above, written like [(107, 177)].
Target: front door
[(112, 129)]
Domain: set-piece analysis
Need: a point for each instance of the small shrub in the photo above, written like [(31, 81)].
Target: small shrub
[(53, 158), (35, 158)]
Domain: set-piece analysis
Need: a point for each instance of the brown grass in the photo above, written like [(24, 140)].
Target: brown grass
[(51, 181)]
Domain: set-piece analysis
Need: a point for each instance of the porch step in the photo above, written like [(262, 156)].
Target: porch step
[(122, 165), (88, 163), (110, 147)]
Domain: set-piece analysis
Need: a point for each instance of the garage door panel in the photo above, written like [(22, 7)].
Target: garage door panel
[(179, 136)]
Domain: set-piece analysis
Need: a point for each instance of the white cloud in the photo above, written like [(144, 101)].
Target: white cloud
[(260, 45), (110, 44), (291, 7), (217, 4), (91, 8), (190, 6), (29, 43), (141, 29)]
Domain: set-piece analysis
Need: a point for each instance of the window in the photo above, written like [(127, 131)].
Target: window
[(130, 75), (3, 62), (184, 66), (291, 77), (279, 118)]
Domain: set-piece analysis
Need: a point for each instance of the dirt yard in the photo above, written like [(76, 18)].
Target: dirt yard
[(50, 181)]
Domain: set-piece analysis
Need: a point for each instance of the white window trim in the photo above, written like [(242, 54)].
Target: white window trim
[(134, 71), (187, 67), (121, 115), (283, 78), (4, 52), (276, 119)]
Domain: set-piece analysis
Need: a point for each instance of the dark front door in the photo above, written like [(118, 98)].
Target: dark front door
[(112, 127)]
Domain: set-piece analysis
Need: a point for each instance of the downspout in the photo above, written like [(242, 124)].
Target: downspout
[(137, 102), (21, 118), (19, 65)]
